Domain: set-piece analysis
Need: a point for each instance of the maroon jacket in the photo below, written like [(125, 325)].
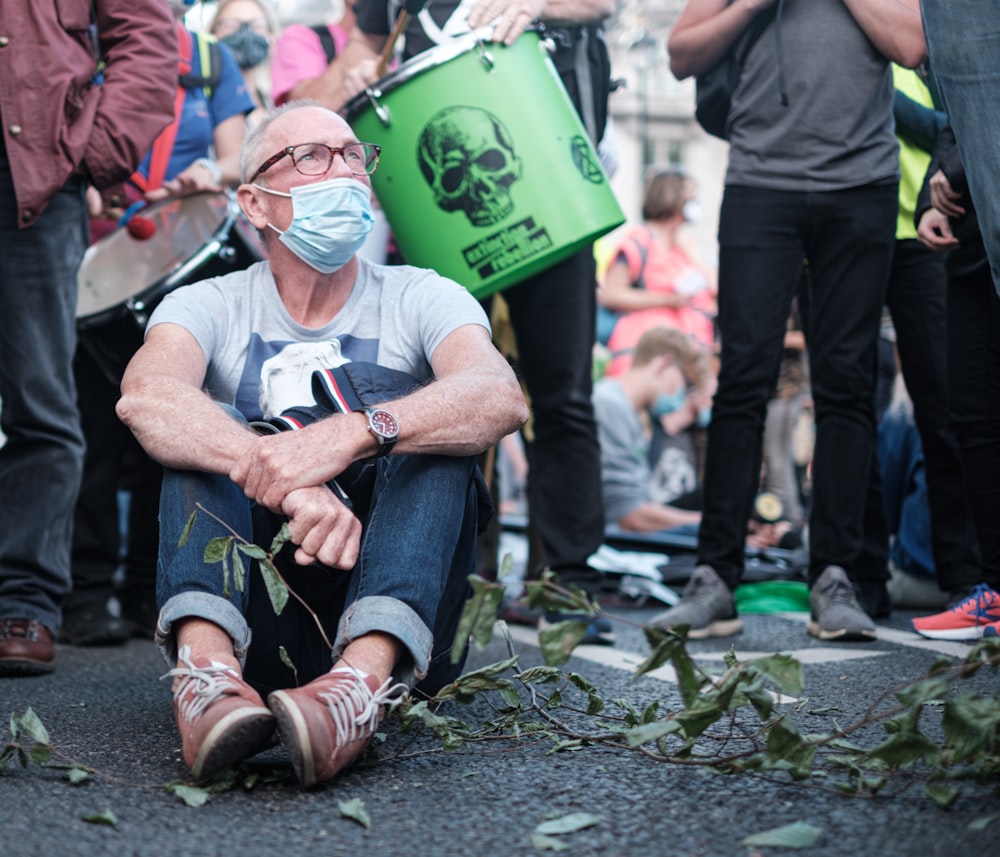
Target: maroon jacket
[(54, 119)]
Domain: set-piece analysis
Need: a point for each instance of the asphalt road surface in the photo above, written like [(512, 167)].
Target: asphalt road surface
[(105, 709)]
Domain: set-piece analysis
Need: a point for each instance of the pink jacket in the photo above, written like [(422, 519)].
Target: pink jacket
[(54, 119)]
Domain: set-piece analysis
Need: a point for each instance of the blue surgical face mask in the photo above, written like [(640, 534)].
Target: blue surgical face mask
[(667, 403), (330, 221)]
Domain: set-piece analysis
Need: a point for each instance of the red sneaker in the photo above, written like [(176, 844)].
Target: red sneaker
[(326, 724), (222, 720), (965, 621)]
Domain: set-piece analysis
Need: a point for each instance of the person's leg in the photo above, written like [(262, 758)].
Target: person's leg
[(974, 399), (850, 251), (42, 459), (404, 600), (760, 266), (963, 43), (419, 535), (202, 632), (916, 298), (187, 587), (96, 534), (553, 317)]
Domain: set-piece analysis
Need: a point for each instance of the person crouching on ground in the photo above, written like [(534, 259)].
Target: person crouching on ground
[(383, 542)]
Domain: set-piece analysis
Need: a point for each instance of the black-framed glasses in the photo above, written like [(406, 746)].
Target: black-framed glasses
[(314, 159)]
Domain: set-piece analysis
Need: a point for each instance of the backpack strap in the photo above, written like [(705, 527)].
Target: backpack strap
[(643, 247), (210, 59), (326, 40)]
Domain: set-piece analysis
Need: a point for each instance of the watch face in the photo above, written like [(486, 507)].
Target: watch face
[(383, 424)]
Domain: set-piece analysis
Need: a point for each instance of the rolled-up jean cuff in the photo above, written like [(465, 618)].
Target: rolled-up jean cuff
[(384, 615), (201, 605)]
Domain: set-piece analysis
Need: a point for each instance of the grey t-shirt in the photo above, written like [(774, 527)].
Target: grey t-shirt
[(837, 131), (625, 471), (261, 361)]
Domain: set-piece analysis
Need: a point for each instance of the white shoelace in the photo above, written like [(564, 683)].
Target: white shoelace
[(199, 687), (353, 707)]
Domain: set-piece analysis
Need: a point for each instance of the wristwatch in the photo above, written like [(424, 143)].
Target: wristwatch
[(385, 428)]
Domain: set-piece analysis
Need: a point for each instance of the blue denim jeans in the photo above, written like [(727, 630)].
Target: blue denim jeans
[(764, 237), (42, 460), (963, 41), (411, 580)]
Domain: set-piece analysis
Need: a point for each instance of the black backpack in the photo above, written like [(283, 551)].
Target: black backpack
[(714, 89)]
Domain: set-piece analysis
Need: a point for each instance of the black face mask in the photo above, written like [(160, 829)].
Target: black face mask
[(248, 48)]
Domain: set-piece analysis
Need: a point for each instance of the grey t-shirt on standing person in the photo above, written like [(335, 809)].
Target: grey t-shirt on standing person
[(837, 130), (261, 361)]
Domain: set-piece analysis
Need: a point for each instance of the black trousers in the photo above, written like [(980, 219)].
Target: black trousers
[(974, 399), (845, 238)]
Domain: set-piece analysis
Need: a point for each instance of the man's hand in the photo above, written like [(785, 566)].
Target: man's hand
[(277, 464), (195, 179), (934, 231), (512, 17), (322, 527), (944, 197)]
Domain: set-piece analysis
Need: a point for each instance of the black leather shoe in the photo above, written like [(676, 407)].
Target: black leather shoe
[(93, 625), (25, 648)]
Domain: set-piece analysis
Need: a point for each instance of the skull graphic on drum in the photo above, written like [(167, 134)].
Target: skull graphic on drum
[(468, 158)]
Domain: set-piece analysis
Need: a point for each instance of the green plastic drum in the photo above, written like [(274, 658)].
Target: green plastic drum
[(487, 173)]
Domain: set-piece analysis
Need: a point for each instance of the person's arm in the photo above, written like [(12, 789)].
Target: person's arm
[(513, 17), (918, 123), (704, 31), (138, 43), (473, 401), (894, 27), (181, 427), (619, 295), (650, 517), (163, 403), (198, 177), (359, 61)]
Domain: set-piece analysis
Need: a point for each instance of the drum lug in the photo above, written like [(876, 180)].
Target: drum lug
[(373, 96), (227, 253), (138, 311), (485, 57)]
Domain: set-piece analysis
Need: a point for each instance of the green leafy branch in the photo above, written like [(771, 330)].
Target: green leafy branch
[(229, 551), (742, 721)]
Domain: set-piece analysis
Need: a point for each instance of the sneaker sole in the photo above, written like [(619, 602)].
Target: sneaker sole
[(718, 628), (295, 736), (846, 635), (237, 736), (958, 634)]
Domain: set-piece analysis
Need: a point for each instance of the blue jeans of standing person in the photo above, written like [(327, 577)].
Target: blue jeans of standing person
[(765, 237), (963, 42), (410, 581), (42, 459)]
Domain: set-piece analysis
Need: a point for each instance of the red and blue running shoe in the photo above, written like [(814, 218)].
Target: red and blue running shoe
[(965, 621)]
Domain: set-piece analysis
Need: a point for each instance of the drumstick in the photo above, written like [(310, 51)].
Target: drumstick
[(385, 57)]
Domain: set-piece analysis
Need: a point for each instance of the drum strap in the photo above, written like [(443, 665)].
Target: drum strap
[(164, 144)]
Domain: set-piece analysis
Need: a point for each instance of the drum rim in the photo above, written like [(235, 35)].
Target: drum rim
[(165, 283), (422, 62)]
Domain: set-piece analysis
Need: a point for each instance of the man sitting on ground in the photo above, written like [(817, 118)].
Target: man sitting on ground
[(654, 385), (293, 342)]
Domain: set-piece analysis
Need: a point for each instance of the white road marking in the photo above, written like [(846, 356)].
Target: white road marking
[(629, 661)]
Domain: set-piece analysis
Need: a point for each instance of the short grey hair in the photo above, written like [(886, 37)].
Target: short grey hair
[(256, 148)]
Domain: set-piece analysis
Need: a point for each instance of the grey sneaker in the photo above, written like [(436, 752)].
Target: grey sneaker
[(706, 607), (836, 613)]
